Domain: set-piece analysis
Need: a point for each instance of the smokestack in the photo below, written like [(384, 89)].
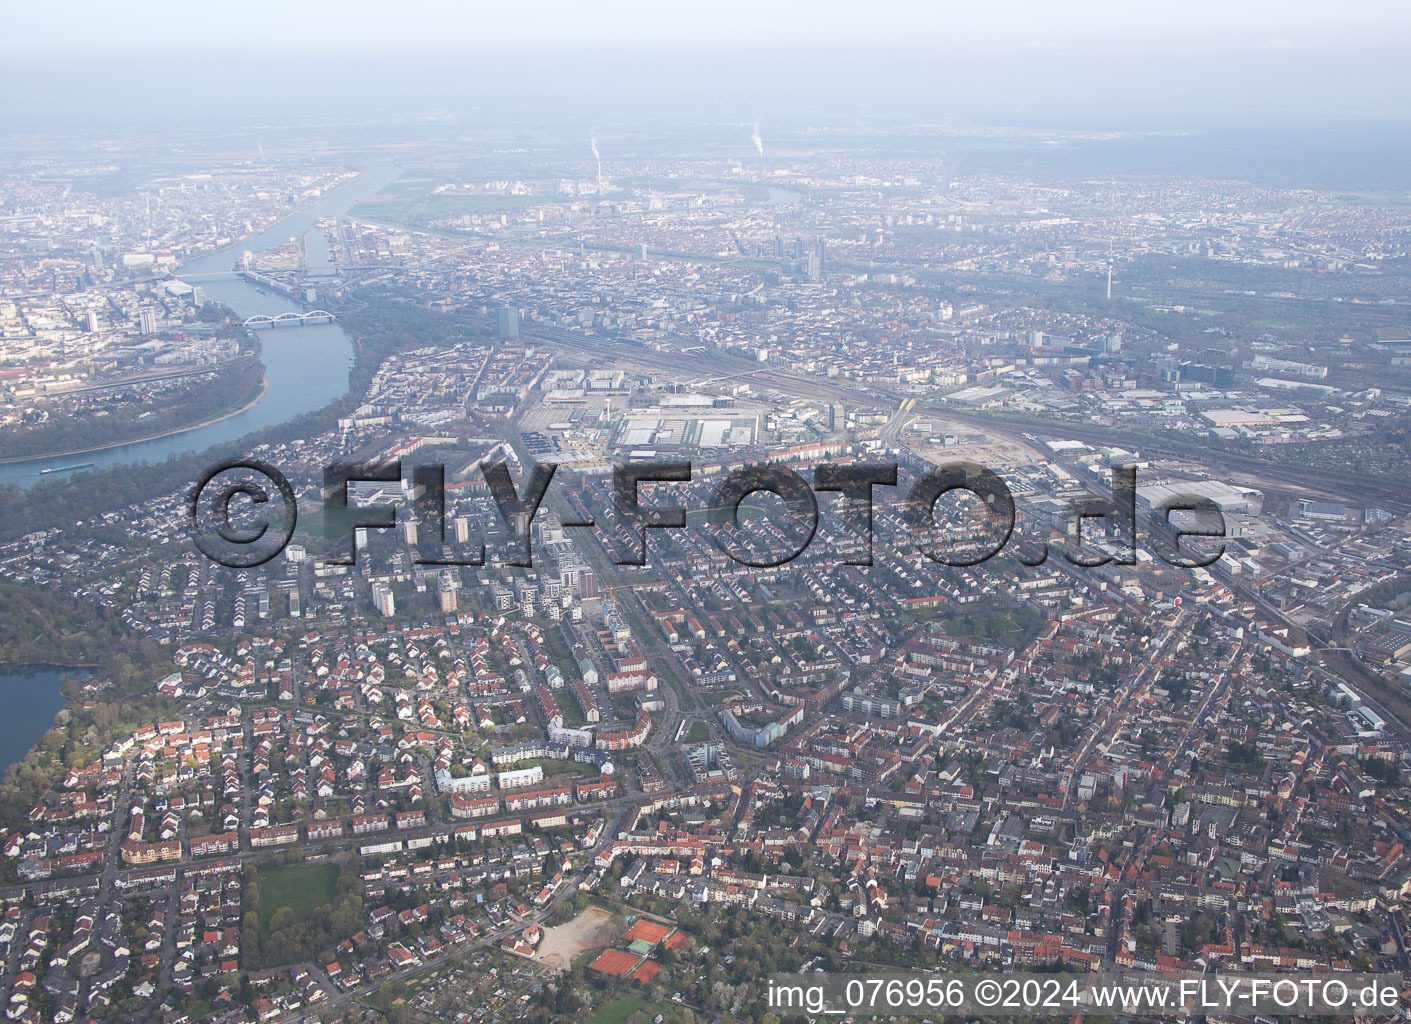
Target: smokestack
[(593, 142), (757, 140)]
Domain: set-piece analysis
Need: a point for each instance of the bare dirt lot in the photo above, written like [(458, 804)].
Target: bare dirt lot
[(592, 929)]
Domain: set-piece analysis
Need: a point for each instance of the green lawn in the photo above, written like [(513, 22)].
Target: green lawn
[(701, 516), (558, 768), (617, 1009), (408, 186), (440, 205), (627, 1004), (377, 211), (572, 713), (1014, 626), (413, 200), (301, 887), (698, 733)]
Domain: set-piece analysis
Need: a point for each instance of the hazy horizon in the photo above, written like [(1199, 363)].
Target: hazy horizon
[(1094, 65)]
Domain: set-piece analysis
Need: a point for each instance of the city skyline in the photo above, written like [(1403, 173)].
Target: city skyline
[(627, 515)]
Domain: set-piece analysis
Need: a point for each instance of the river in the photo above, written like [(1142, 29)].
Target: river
[(305, 367)]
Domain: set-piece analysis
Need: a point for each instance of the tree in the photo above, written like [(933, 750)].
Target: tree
[(388, 993)]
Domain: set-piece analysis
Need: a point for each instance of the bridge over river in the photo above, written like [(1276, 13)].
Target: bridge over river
[(314, 316)]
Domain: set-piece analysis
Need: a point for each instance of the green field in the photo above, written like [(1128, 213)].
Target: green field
[(413, 200), (572, 713), (560, 768), (701, 516), (1016, 626), (444, 204), (408, 187), (302, 888), (619, 1008), (625, 1005), (698, 733)]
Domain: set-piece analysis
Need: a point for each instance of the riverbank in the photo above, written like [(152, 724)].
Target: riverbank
[(249, 403), (305, 370)]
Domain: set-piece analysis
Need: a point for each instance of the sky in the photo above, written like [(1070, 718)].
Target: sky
[(1086, 62), (996, 27)]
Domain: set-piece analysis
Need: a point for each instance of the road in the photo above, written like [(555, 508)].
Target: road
[(654, 648), (1113, 717), (566, 891)]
